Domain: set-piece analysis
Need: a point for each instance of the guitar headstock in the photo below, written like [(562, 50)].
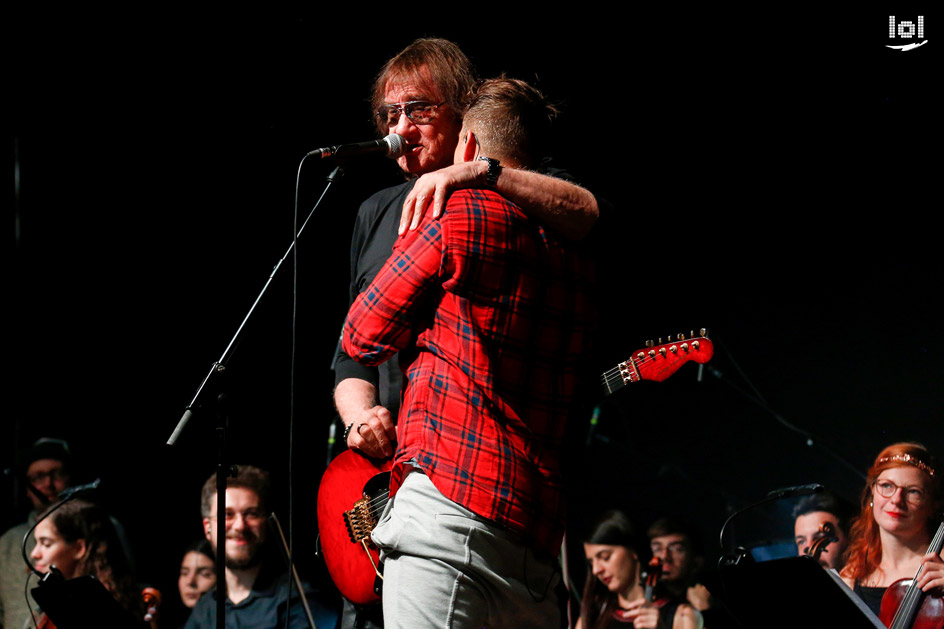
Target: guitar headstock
[(657, 361)]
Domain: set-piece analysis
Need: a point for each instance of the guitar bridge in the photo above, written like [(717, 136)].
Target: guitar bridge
[(359, 520)]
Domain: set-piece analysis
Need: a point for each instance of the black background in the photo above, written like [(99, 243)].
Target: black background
[(771, 172)]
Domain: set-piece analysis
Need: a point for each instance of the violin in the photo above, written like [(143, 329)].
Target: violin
[(827, 537), (905, 606), (653, 574), (152, 603)]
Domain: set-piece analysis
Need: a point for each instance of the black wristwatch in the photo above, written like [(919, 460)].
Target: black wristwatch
[(494, 169)]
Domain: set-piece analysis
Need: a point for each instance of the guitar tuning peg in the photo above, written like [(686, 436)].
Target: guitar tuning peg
[(660, 340), (681, 337), (685, 347), (649, 343), (662, 351), (674, 349), (704, 332)]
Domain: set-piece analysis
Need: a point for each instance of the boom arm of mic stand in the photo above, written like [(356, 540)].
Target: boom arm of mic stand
[(220, 366)]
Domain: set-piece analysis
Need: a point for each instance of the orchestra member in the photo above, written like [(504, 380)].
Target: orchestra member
[(80, 539), (613, 596), (197, 573), (47, 469), (808, 518), (258, 593), (900, 510)]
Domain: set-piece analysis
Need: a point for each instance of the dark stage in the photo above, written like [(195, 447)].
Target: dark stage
[(773, 183)]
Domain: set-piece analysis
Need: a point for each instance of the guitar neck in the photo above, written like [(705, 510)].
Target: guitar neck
[(658, 362)]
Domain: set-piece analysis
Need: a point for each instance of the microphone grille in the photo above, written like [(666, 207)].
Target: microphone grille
[(396, 145)]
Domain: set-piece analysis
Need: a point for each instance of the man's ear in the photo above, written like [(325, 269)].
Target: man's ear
[(469, 146), (206, 528)]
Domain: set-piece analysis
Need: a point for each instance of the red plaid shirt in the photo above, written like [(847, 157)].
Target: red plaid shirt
[(491, 313)]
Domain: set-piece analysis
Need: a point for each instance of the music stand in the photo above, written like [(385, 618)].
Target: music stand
[(82, 602), (792, 592)]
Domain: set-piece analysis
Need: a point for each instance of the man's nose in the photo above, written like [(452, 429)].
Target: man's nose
[(239, 522), (404, 125)]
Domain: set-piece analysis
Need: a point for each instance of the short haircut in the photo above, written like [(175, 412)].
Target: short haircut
[(511, 120), (827, 502), (676, 526), (248, 477), (449, 71)]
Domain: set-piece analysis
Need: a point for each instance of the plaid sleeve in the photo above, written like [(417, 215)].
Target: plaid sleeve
[(381, 320)]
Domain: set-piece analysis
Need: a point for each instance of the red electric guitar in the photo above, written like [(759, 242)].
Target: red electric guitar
[(351, 496), (354, 488), (658, 362)]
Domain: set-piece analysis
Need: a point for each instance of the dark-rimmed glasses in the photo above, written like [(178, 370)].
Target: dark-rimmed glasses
[(418, 111)]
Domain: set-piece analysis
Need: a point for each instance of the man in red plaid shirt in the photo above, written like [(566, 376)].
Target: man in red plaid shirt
[(490, 313)]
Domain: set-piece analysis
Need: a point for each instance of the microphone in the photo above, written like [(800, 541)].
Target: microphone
[(393, 146), (71, 491)]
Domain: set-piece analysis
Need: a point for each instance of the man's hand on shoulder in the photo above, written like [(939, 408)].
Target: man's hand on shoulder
[(432, 189)]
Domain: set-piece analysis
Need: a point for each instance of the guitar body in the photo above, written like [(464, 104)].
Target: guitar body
[(351, 478)]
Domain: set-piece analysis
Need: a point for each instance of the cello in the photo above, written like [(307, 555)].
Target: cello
[(905, 606)]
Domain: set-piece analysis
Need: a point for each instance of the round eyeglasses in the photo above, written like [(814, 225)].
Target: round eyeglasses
[(887, 489)]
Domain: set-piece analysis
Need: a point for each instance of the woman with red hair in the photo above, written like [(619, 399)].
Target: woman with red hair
[(901, 509)]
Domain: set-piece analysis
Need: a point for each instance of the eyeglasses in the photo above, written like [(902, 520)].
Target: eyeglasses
[(887, 489), (55, 475), (676, 548), (250, 516), (419, 111)]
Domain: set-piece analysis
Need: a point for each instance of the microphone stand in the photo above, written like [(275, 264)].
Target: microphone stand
[(741, 554), (212, 382)]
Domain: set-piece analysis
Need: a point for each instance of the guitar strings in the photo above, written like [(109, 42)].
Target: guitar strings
[(615, 374)]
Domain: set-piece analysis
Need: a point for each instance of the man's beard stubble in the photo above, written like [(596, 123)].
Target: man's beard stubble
[(253, 555)]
